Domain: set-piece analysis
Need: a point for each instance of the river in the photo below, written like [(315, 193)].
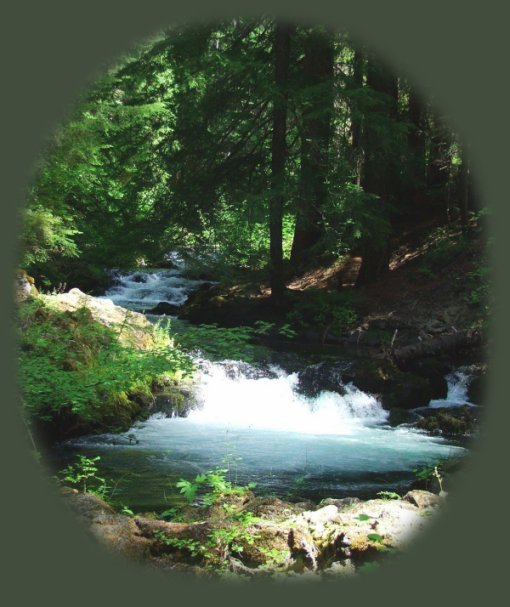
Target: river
[(253, 421)]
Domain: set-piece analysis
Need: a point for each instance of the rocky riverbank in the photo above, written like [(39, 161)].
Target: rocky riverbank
[(262, 536)]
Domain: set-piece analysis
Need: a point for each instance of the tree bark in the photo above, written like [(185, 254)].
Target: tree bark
[(281, 51), (438, 169), (417, 157), (463, 194), (357, 117), (315, 138), (380, 175), (438, 345)]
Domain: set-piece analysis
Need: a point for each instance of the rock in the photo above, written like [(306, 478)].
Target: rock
[(272, 508), (174, 401), (321, 516), (237, 369), (303, 549), (402, 416), (323, 376), (24, 287), (422, 499), (393, 387), (451, 421), (341, 504), (164, 307), (136, 331), (269, 539), (334, 539), (434, 371), (115, 531)]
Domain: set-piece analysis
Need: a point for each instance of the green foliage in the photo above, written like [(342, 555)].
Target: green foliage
[(389, 495), (219, 343), (215, 481), (99, 378), (220, 543), (353, 216), (173, 147), (478, 285), (46, 236), (328, 311), (193, 547), (169, 513), (432, 471), (83, 474)]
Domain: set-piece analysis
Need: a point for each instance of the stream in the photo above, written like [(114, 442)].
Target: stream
[(252, 420)]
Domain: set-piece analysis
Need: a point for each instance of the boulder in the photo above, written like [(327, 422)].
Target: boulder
[(451, 421), (24, 287), (163, 307), (322, 376), (422, 499), (393, 387), (114, 531), (434, 371), (402, 416)]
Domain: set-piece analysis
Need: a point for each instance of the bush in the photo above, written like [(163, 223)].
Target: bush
[(73, 366), (328, 311)]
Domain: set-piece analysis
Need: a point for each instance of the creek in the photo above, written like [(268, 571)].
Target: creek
[(252, 420)]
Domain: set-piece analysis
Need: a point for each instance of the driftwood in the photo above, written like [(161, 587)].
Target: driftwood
[(437, 345)]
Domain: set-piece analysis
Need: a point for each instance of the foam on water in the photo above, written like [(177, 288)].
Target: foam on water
[(272, 403), (339, 444), (458, 384), (143, 290)]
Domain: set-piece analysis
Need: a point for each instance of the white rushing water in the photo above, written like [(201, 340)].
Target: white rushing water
[(458, 384), (256, 422), (143, 290), (272, 403)]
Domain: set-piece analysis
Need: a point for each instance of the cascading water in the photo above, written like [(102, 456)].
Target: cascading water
[(254, 421), (458, 383), (143, 290)]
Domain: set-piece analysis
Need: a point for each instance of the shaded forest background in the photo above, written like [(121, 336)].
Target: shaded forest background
[(254, 146)]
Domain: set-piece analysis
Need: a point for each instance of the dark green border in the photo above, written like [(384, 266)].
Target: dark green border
[(51, 49)]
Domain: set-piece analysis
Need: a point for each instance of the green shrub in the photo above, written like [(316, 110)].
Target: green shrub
[(332, 311), (70, 363)]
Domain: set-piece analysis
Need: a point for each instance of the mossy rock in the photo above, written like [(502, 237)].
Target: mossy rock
[(271, 544), (393, 387), (452, 422)]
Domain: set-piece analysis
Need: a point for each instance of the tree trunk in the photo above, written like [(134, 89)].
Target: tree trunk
[(380, 170), (438, 345), (315, 137), (463, 194), (357, 118), (438, 170), (417, 156), (281, 51)]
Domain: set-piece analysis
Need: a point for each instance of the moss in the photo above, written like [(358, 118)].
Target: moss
[(81, 371), (454, 422), (394, 387)]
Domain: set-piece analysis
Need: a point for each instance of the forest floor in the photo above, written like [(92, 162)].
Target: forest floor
[(436, 285)]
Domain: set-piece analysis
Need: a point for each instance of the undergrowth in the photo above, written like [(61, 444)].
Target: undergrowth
[(72, 365)]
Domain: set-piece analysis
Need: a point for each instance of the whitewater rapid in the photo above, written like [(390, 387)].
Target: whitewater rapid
[(254, 420)]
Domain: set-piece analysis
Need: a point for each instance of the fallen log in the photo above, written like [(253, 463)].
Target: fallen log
[(433, 346)]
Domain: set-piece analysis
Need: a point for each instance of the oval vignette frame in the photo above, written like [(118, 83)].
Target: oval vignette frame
[(48, 507)]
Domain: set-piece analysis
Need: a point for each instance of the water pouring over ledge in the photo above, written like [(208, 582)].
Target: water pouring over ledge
[(253, 420)]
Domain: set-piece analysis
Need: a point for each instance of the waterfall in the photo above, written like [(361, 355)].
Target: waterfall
[(243, 399)]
